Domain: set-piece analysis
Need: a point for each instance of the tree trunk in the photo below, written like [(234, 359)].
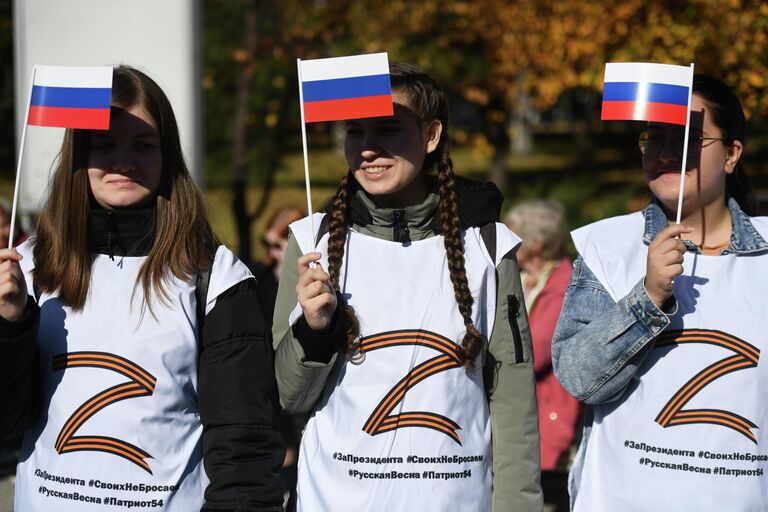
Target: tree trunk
[(240, 137), (520, 126), (497, 133)]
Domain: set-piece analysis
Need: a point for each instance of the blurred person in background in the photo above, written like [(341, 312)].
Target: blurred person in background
[(275, 242), (5, 226), (267, 274), (545, 272)]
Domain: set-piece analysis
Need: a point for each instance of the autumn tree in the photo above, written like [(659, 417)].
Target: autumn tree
[(502, 58), (250, 78)]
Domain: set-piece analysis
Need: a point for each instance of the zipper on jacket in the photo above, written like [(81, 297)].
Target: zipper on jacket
[(513, 313), (400, 227)]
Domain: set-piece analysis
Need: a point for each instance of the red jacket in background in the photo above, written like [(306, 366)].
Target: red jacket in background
[(558, 411)]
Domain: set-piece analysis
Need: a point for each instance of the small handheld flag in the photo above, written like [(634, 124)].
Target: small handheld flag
[(71, 97), (339, 88), (64, 97), (644, 91), (350, 87)]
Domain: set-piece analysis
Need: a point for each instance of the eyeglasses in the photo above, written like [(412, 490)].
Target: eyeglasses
[(651, 145)]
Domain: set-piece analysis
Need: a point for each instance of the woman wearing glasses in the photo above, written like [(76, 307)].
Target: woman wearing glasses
[(661, 334)]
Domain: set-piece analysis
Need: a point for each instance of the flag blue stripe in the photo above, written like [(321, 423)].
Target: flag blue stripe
[(344, 88), (71, 97), (657, 93)]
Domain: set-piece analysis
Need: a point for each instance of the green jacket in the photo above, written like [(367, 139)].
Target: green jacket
[(509, 375)]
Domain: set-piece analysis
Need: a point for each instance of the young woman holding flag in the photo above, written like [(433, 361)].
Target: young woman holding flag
[(134, 353), (389, 347), (661, 331)]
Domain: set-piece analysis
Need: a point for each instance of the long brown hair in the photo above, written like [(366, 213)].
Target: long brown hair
[(184, 241), (728, 115), (430, 102)]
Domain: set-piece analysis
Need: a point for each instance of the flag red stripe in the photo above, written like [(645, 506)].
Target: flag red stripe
[(351, 108), (657, 112), (59, 117)]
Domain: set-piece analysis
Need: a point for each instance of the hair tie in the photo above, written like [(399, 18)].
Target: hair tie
[(468, 322)]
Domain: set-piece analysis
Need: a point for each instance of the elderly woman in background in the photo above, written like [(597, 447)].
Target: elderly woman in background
[(545, 272)]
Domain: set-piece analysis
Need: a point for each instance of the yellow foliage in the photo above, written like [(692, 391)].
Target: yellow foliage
[(481, 148), (240, 55), (545, 47), (476, 95), (270, 120)]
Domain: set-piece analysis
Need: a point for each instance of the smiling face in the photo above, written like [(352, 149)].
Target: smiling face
[(386, 154), (125, 162), (708, 162)]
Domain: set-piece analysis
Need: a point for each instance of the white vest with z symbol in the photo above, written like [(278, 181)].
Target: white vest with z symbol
[(689, 433), (403, 426)]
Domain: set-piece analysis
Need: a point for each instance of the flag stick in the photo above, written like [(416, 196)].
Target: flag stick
[(21, 155), (685, 152), (306, 157)]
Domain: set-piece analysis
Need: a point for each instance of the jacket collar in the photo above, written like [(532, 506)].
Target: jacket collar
[(744, 237), (121, 232), (479, 204)]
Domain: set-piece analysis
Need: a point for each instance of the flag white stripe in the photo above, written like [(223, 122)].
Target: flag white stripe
[(647, 72), (74, 76), (344, 67), (641, 104)]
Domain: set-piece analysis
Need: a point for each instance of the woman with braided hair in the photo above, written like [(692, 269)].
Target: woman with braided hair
[(412, 350)]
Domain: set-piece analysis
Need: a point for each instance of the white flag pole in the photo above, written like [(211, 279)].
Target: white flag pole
[(21, 155), (306, 156), (685, 151)]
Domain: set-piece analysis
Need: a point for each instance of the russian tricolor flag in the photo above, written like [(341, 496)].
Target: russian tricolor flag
[(644, 91), (71, 97), (350, 87)]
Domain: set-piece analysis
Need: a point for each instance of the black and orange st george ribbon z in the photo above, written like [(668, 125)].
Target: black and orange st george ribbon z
[(746, 356), (141, 383), (382, 420)]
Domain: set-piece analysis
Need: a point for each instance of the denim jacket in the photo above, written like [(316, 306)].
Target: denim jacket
[(599, 344)]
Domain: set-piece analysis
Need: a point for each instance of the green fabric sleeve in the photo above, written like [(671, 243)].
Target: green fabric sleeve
[(511, 384), (299, 382)]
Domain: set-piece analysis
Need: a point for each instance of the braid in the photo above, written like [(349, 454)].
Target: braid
[(473, 342), (337, 230)]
